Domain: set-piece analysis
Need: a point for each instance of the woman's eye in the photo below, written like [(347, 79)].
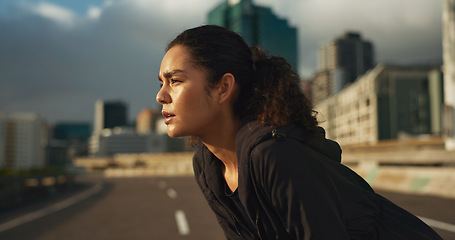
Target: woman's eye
[(173, 81)]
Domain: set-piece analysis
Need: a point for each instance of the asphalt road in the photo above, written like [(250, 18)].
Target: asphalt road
[(437, 212), (156, 208)]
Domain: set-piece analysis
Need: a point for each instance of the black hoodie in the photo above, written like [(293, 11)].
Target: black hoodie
[(293, 186)]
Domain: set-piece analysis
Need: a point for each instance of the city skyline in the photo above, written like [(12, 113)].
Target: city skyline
[(59, 57)]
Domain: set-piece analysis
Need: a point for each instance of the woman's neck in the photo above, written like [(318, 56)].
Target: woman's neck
[(222, 145)]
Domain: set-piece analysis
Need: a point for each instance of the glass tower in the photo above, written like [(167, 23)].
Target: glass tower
[(258, 26), (109, 115)]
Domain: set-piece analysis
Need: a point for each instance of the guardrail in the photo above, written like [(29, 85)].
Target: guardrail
[(405, 166), (17, 190), (143, 164)]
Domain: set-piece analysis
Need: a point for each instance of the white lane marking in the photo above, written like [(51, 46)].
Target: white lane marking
[(438, 224), (171, 193), (182, 223), (53, 208)]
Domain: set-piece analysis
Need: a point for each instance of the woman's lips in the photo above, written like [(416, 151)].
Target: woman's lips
[(168, 117)]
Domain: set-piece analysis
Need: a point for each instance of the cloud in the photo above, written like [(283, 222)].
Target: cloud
[(53, 12), (58, 62), (403, 31), (94, 12), (111, 52)]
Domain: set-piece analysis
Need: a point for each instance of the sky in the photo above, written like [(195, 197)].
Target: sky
[(57, 57)]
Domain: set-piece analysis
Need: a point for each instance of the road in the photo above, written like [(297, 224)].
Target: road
[(437, 212), (157, 208)]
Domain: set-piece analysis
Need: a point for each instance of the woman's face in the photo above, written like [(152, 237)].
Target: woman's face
[(187, 107)]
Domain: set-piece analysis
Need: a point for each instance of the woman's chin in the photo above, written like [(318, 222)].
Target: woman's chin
[(174, 134)]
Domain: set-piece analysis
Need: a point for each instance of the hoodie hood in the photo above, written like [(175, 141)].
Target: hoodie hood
[(251, 133)]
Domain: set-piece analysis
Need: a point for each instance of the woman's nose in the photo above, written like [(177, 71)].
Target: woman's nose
[(162, 97)]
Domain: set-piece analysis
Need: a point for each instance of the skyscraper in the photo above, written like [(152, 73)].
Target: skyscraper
[(448, 17), (341, 61), (387, 102), (258, 26), (69, 139), (23, 137), (109, 115), (348, 53), (146, 120)]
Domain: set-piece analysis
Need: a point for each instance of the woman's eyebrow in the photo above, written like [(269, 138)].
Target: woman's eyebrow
[(169, 74)]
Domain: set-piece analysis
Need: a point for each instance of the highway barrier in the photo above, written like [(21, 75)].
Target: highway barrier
[(409, 168)]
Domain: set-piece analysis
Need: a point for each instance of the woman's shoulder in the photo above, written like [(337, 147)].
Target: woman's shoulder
[(284, 140)]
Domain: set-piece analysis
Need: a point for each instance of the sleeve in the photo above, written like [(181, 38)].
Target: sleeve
[(299, 189)]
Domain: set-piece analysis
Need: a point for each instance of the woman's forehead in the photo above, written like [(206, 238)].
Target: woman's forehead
[(175, 58)]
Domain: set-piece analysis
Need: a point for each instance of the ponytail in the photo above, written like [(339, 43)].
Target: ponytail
[(276, 98)]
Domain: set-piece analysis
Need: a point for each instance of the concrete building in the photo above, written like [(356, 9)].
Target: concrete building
[(146, 120), (150, 134), (127, 140), (23, 138), (324, 84), (258, 26), (68, 140), (341, 61), (71, 131), (109, 114), (305, 86), (348, 53), (448, 19), (385, 103)]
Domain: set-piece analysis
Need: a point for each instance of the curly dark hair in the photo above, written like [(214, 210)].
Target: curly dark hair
[(277, 97), (268, 87)]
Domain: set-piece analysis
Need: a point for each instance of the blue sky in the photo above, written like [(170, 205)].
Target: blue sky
[(59, 56)]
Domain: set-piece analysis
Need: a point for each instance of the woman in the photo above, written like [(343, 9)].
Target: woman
[(262, 163)]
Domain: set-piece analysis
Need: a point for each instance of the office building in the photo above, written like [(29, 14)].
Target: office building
[(146, 120), (448, 32), (110, 114), (23, 138), (386, 103), (348, 53), (323, 84), (71, 131), (68, 140), (126, 140), (341, 61), (305, 86), (258, 26), (111, 136)]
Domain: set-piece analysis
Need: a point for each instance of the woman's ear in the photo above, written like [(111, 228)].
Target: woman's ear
[(226, 88)]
